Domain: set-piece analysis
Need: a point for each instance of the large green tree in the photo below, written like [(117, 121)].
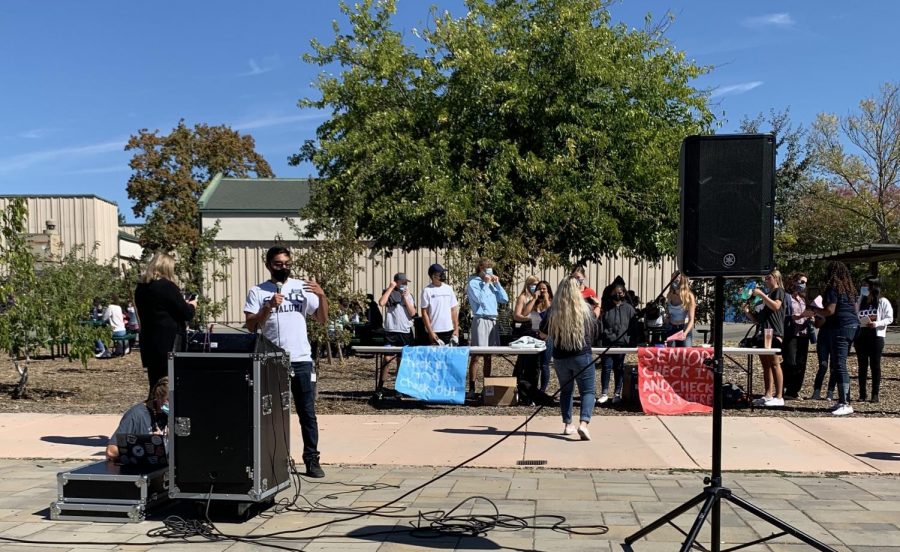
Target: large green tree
[(172, 171), (529, 130)]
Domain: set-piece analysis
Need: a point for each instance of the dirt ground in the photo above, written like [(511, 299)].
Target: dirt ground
[(110, 386)]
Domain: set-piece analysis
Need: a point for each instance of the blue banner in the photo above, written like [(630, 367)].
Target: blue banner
[(434, 374)]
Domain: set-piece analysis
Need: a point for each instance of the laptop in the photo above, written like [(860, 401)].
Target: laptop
[(143, 451)]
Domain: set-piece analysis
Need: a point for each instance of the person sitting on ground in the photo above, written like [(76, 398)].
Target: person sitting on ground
[(398, 321), (145, 418)]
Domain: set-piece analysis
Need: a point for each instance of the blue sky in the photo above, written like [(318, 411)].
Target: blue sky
[(79, 77)]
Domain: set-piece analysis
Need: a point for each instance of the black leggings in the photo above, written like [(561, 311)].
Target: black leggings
[(868, 353)]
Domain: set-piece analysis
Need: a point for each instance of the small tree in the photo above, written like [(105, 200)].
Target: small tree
[(214, 261), (332, 261)]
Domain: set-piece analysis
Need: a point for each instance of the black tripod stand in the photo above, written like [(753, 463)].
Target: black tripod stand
[(714, 492)]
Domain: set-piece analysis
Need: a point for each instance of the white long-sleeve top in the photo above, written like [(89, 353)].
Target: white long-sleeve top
[(883, 318)]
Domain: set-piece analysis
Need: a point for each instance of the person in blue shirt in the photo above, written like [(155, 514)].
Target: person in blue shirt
[(485, 294)]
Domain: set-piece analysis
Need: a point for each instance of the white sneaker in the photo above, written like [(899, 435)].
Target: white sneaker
[(584, 433), (603, 398), (774, 401), (842, 410), (569, 429)]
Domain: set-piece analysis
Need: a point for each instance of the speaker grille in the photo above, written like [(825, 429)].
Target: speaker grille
[(727, 205)]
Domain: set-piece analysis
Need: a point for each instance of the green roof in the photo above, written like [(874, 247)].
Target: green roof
[(251, 195)]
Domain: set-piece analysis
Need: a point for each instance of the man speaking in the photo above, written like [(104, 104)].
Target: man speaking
[(279, 307)]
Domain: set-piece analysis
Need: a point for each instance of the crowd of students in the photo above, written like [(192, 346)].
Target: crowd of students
[(840, 318)]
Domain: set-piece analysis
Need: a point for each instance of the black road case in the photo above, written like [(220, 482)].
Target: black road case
[(105, 491), (229, 418)]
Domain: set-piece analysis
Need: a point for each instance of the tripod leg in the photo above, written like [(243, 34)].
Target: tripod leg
[(789, 529), (711, 500), (666, 518)]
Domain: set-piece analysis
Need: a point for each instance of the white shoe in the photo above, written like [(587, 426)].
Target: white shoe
[(842, 410), (584, 433), (774, 401), (569, 429), (603, 398)]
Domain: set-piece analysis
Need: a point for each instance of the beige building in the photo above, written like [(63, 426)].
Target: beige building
[(80, 220), (252, 216)]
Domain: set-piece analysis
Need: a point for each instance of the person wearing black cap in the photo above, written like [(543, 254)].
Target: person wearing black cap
[(398, 320), (440, 308)]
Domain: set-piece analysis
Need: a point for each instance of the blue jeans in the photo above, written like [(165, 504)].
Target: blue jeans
[(823, 352), (545, 365), (614, 364), (841, 339), (566, 370), (100, 347), (304, 391)]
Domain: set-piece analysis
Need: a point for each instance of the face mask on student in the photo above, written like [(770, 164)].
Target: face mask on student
[(489, 271), (532, 289), (402, 287), (442, 276), (864, 291), (801, 287)]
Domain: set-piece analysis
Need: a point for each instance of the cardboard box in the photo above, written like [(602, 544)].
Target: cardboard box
[(500, 391)]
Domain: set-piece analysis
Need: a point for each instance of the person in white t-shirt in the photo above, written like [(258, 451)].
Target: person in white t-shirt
[(278, 307), (398, 320), (440, 308), (116, 318)]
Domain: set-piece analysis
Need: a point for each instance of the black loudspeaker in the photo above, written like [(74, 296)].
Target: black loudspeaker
[(727, 205), (229, 418)]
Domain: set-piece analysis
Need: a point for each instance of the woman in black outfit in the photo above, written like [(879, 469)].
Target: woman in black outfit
[(163, 313)]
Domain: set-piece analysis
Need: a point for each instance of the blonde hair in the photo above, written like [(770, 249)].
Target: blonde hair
[(568, 316), (777, 275), (530, 280), (684, 291), (161, 265)]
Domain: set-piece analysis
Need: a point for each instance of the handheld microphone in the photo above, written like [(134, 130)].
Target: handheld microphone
[(278, 286)]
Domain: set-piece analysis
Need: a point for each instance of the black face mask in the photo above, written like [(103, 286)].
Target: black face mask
[(442, 276), (281, 275), (618, 298)]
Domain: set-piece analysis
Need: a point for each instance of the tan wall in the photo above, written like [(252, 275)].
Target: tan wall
[(247, 270), (79, 220)]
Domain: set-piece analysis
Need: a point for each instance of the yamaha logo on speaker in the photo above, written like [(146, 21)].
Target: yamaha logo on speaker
[(728, 260)]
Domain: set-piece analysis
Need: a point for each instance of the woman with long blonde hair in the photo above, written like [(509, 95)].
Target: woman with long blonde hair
[(163, 311), (771, 317), (681, 306), (572, 326)]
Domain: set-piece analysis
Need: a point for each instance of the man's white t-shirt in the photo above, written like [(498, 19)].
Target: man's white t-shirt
[(285, 328), (440, 301), (116, 318)]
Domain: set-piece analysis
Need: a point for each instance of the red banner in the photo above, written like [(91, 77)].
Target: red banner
[(675, 380)]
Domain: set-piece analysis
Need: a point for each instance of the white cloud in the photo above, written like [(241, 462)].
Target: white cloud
[(25, 160), (733, 89), (781, 20), (268, 63), (276, 120), (36, 133), (121, 167)]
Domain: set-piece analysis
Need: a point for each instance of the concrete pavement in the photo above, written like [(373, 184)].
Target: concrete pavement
[(834, 479), (799, 445)]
